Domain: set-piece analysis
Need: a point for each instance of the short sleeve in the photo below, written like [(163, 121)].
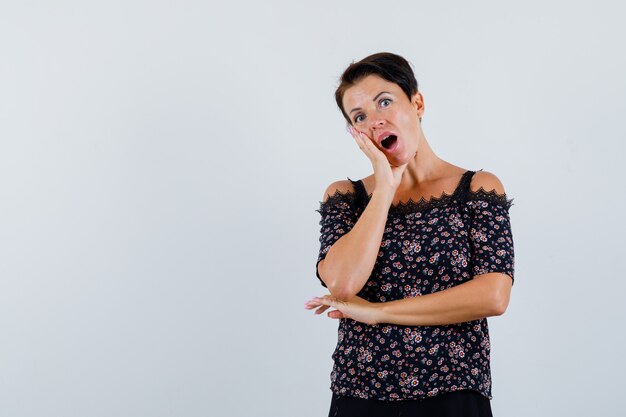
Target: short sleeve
[(338, 218), (491, 238)]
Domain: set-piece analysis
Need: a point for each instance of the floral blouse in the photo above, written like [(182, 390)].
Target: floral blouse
[(427, 246)]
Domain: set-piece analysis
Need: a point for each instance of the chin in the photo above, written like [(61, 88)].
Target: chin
[(396, 162)]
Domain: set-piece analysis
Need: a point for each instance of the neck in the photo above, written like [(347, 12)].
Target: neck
[(423, 167)]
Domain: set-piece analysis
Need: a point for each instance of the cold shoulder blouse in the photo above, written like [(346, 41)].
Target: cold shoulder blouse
[(427, 246)]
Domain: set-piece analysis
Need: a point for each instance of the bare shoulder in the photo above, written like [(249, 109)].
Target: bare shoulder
[(487, 181), (341, 186)]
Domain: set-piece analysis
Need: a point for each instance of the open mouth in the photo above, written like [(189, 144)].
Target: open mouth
[(389, 141)]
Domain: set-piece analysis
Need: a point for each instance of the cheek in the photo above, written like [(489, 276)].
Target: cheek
[(406, 118)]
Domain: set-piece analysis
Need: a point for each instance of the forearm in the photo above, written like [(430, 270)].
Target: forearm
[(350, 261), (471, 300)]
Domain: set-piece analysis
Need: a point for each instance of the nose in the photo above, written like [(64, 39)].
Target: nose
[(376, 123)]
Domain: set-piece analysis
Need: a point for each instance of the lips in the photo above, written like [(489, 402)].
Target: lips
[(387, 140), (384, 135)]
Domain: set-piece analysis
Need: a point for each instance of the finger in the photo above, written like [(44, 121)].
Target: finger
[(312, 303), (365, 137), (362, 143), (323, 301), (314, 300), (371, 146), (336, 314), (357, 137), (328, 300), (353, 132), (321, 309)]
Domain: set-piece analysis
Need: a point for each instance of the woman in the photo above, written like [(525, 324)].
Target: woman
[(416, 256)]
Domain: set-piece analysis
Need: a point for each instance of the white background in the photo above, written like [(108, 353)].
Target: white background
[(161, 163)]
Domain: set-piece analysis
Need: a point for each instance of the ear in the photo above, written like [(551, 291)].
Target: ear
[(418, 102)]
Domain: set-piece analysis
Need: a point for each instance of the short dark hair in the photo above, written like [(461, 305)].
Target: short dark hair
[(386, 65)]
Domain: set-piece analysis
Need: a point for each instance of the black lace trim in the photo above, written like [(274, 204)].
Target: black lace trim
[(491, 196), (411, 206), (422, 204), (338, 197)]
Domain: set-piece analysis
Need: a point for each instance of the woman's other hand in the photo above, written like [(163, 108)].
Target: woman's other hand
[(356, 308)]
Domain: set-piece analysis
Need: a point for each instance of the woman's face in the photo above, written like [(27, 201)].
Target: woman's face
[(382, 111)]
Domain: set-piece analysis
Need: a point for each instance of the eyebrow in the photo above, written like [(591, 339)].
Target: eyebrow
[(374, 99)]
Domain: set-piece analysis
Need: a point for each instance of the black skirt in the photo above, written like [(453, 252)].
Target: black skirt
[(462, 403)]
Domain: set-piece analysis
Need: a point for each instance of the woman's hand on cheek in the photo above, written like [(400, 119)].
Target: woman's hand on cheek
[(366, 144), (356, 308), (387, 177)]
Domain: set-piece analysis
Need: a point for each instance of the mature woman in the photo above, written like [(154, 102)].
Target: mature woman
[(416, 256)]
